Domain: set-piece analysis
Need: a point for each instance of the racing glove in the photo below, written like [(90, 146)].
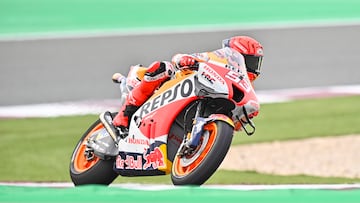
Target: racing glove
[(184, 61)]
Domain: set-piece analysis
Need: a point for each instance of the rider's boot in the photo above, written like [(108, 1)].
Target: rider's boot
[(118, 126)]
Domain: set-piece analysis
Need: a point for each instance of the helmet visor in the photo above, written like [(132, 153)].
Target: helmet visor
[(253, 63)]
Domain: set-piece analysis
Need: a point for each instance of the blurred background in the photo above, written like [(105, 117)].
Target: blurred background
[(62, 50)]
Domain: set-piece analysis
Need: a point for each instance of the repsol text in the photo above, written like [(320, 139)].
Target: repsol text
[(179, 91)]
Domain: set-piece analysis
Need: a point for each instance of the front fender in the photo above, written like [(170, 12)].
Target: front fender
[(199, 124), (222, 117)]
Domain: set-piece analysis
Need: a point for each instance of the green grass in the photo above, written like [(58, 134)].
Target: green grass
[(40, 149), (305, 118)]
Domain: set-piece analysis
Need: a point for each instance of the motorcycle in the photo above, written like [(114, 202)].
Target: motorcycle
[(184, 129)]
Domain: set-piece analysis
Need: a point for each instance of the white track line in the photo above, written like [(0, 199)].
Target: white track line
[(167, 187)]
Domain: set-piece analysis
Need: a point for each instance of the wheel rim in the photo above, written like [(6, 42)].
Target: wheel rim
[(183, 170), (81, 164)]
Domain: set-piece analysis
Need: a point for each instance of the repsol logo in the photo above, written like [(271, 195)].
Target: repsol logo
[(181, 90)]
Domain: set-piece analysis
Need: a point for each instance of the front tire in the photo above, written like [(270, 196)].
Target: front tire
[(198, 167), (94, 171)]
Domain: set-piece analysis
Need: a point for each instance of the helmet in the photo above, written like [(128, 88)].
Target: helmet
[(252, 51)]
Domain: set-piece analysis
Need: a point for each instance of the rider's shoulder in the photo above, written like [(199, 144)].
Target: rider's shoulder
[(224, 51)]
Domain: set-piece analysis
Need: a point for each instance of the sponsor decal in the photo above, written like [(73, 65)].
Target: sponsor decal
[(181, 90), (212, 75), (129, 162), (154, 158), (137, 141), (208, 77)]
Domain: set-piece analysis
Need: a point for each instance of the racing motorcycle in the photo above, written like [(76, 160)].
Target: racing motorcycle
[(184, 129)]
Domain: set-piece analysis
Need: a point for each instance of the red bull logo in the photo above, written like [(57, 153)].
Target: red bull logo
[(129, 162), (154, 158)]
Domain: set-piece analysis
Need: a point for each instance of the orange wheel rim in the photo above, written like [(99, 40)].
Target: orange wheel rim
[(81, 164), (184, 170)]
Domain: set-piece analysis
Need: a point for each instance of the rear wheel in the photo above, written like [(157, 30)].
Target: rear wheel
[(197, 167), (85, 167)]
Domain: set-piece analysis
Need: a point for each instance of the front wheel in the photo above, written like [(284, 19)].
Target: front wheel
[(197, 167), (86, 167)]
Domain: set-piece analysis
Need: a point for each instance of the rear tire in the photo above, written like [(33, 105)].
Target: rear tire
[(199, 167), (95, 171)]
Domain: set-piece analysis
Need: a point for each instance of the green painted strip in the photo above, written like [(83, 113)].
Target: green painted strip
[(34, 16), (178, 195)]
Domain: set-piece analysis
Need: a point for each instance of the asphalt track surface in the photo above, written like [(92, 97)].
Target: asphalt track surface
[(80, 68)]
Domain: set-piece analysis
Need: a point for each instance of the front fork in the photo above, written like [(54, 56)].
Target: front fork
[(192, 139)]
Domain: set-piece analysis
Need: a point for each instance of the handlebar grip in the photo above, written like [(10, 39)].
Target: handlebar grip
[(117, 77)]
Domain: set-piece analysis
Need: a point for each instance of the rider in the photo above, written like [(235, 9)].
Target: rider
[(160, 71)]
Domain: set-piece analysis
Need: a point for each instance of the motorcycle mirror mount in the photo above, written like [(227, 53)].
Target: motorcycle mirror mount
[(247, 121)]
